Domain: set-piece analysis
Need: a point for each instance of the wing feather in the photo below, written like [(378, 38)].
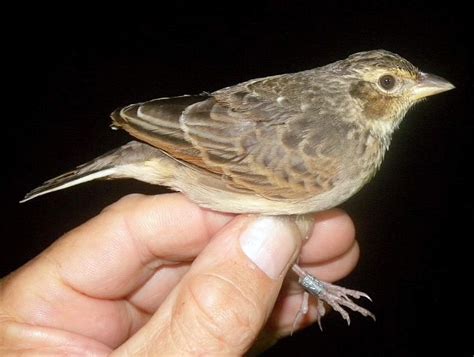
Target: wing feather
[(248, 134)]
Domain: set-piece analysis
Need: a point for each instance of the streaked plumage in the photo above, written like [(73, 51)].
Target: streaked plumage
[(285, 144), (289, 144)]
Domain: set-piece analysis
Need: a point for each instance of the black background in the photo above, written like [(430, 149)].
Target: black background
[(65, 69)]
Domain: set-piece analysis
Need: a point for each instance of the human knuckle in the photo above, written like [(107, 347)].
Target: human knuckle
[(226, 311)]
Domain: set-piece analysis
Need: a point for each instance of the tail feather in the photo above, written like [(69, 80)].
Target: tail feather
[(69, 179), (105, 166)]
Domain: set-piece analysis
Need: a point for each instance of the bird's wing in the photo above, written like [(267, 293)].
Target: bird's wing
[(241, 134), (156, 122)]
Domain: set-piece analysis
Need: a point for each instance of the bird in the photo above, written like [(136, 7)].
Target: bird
[(285, 145)]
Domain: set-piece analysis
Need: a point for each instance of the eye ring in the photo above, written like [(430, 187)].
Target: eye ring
[(387, 82)]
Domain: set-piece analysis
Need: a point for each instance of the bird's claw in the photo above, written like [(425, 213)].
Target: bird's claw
[(335, 296)]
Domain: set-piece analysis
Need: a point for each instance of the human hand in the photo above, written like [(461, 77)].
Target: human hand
[(159, 275)]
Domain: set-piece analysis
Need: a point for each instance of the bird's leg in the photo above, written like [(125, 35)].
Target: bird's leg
[(335, 296)]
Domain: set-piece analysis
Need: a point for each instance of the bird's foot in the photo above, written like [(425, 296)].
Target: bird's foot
[(335, 296)]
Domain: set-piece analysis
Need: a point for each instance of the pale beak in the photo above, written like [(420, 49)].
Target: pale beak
[(430, 84)]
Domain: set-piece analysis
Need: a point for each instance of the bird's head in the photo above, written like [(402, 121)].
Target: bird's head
[(386, 85)]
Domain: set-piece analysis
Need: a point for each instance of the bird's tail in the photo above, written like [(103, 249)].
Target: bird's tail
[(109, 165)]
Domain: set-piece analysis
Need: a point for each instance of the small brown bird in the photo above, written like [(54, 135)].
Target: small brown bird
[(289, 144)]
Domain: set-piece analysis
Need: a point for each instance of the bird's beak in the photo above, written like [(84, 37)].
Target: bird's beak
[(430, 84)]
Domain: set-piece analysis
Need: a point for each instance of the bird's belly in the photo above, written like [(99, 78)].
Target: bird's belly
[(210, 191), (236, 202)]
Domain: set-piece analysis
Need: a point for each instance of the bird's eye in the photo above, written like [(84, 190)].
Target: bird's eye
[(387, 82)]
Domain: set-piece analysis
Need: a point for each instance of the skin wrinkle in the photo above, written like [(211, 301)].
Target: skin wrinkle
[(128, 308), (132, 299), (135, 297), (120, 303), (217, 332), (42, 294), (145, 262), (59, 343), (48, 302), (153, 261), (247, 298), (69, 286), (198, 325), (160, 333), (145, 349), (126, 231), (176, 327), (153, 266), (118, 220)]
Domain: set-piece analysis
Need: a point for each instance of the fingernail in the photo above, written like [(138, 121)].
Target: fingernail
[(270, 243)]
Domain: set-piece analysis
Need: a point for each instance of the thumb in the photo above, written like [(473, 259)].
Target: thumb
[(224, 300)]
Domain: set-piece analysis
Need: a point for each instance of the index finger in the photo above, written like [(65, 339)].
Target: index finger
[(115, 252), (80, 284)]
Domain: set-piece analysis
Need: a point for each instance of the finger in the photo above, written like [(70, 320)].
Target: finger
[(79, 281), (148, 297), (336, 268), (111, 255), (333, 235), (227, 295)]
